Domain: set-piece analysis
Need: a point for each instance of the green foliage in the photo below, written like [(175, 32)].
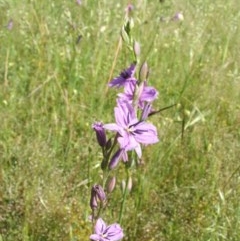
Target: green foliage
[(53, 87)]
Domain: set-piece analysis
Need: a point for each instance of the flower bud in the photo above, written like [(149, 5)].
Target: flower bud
[(93, 199), (144, 72), (100, 133), (109, 144), (115, 159), (146, 110), (129, 9), (136, 49), (99, 192), (111, 183), (129, 184)]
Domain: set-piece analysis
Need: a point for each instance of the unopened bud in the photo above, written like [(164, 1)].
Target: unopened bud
[(93, 199), (115, 159), (144, 72), (99, 192), (136, 49), (100, 133), (109, 144), (129, 185), (111, 183), (129, 9), (146, 111)]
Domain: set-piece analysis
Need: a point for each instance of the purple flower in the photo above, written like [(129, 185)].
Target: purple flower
[(126, 76), (100, 133), (144, 93), (103, 232), (131, 131)]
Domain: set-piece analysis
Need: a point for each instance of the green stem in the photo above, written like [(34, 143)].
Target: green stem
[(124, 199)]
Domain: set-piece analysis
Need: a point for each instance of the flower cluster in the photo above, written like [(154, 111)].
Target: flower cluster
[(131, 131)]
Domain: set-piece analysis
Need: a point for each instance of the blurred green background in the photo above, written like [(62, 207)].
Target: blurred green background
[(53, 87)]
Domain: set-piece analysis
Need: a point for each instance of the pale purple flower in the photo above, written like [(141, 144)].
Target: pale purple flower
[(103, 232), (131, 131), (145, 93), (125, 77), (100, 133)]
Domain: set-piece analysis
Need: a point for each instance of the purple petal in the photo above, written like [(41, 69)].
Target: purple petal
[(125, 76), (138, 150), (117, 82), (146, 133), (128, 93), (128, 142), (149, 94), (146, 110), (95, 237), (100, 226), (115, 159), (111, 127), (114, 232), (121, 116)]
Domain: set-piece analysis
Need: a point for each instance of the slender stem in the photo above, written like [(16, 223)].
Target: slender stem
[(114, 61), (124, 199)]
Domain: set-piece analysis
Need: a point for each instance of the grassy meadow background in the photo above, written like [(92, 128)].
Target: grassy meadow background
[(53, 87)]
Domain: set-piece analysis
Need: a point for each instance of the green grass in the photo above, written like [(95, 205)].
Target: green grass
[(53, 89)]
